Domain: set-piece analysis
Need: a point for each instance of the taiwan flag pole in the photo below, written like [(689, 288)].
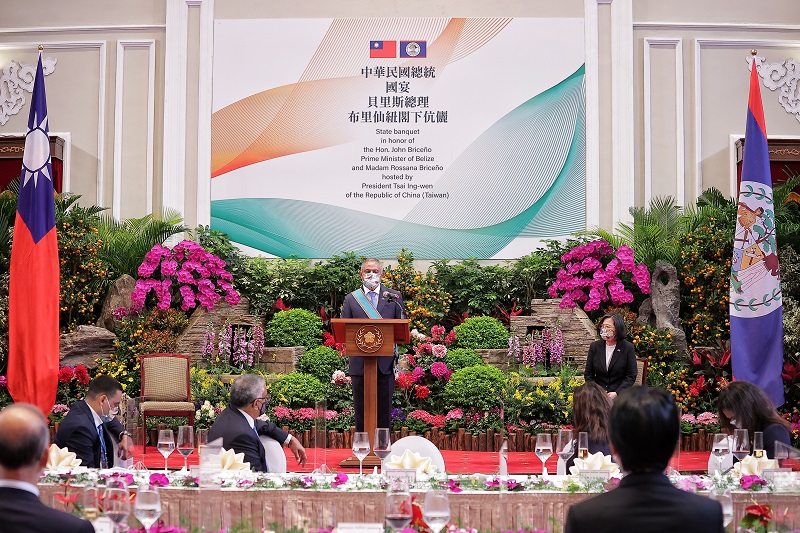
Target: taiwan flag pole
[(756, 307), (33, 302)]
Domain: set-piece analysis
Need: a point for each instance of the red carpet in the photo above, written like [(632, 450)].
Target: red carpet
[(456, 462)]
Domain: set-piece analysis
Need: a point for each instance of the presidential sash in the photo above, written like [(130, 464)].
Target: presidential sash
[(365, 304)]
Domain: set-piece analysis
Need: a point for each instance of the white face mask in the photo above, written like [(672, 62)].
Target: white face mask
[(372, 280)]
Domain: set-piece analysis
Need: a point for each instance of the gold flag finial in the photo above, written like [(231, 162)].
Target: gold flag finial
[(754, 52), (41, 47)]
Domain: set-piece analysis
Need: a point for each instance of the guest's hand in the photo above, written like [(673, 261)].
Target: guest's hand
[(612, 395), (125, 448), (298, 450)]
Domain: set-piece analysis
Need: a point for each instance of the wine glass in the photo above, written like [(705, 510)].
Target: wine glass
[(724, 499), (720, 448), (166, 444), (583, 445), (436, 509), (147, 508), (360, 449), (185, 443), (398, 505), (544, 449), (741, 444), (565, 448), (90, 500), (758, 444), (383, 444), (117, 506)]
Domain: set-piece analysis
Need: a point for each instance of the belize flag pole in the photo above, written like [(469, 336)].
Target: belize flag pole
[(33, 302), (756, 307)]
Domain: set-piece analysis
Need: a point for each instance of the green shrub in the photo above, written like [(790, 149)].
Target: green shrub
[(458, 358), (295, 327), (296, 390), (480, 387), (321, 362), (480, 333)]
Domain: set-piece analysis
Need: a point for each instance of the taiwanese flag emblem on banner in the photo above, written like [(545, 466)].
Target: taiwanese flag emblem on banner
[(33, 299), (413, 49), (383, 49)]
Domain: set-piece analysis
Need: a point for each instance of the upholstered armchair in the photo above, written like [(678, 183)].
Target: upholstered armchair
[(166, 387)]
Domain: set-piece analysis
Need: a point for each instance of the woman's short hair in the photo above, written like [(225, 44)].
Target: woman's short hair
[(590, 408), (752, 408), (619, 325)]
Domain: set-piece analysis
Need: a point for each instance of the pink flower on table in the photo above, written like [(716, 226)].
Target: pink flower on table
[(752, 482), (339, 479), (159, 480), (454, 486)]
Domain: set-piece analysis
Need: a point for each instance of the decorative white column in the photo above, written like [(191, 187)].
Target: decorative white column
[(623, 178)]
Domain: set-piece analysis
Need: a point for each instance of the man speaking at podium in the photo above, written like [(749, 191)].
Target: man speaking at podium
[(373, 300)]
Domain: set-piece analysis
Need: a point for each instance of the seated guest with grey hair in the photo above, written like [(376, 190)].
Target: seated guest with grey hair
[(24, 440), (239, 427)]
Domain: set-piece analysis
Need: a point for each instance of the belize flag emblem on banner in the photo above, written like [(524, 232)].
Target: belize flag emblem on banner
[(33, 300), (756, 309)]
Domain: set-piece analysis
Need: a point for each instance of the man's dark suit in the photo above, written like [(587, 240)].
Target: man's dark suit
[(390, 305), (621, 372), (23, 512), (237, 435), (78, 433), (646, 503)]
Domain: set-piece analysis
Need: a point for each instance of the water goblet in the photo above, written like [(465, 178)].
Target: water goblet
[(398, 505), (147, 508), (720, 448), (383, 445), (436, 509), (544, 449), (185, 443), (166, 444), (361, 449), (117, 506), (724, 499), (741, 444), (565, 448)]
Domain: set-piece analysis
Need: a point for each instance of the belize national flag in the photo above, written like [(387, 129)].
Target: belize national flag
[(33, 302), (383, 49), (756, 307), (414, 49)]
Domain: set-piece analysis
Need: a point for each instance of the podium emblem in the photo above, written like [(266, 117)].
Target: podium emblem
[(369, 339)]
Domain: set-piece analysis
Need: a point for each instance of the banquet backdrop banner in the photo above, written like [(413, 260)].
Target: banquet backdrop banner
[(451, 137)]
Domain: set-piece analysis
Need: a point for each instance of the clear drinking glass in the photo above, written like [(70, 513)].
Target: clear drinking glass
[(758, 444), (720, 448), (383, 444), (565, 447), (166, 444), (185, 443), (544, 449), (398, 505), (436, 509), (90, 500), (117, 506), (147, 508), (724, 499), (583, 445), (741, 444), (361, 448)]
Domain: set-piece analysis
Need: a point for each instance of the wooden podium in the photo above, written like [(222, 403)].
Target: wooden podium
[(370, 339)]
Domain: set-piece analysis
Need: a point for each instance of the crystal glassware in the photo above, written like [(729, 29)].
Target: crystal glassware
[(758, 444), (565, 447), (741, 444), (383, 445), (544, 449), (90, 502), (185, 443), (361, 448), (166, 444), (147, 508), (117, 506), (724, 499), (436, 509), (398, 505), (720, 448)]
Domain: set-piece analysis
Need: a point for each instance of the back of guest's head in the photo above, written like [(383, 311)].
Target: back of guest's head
[(643, 428), (246, 389), (619, 325), (103, 385), (23, 436), (590, 408), (751, 407)]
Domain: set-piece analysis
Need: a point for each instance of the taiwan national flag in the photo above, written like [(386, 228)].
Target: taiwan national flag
[(756, 308), (33, 301), (383, 49), (413, 49)]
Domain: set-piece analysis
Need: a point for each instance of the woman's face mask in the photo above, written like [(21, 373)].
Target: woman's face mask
[(606, 334)]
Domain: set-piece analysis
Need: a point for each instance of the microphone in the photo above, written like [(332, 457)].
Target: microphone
[(391, 298)]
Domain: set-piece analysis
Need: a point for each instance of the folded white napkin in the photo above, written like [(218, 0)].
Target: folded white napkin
[(750, 466), (229, 460), (61, 457), (413, 460), (595, 461)]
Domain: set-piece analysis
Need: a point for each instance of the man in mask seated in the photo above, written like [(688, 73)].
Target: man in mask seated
[(239, 427), (90, 426)]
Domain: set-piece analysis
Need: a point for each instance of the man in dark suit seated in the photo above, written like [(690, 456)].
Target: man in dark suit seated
[(239, 427), (92, 418), (643, 429), (24, 440)]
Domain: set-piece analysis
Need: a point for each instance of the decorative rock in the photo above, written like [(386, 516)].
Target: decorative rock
[(662, 309), (86, 344), (119, 295)]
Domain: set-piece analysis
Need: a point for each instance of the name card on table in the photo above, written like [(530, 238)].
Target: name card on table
[(408, 475), (596, 474), (773, 474), (359, 527), (103, 524)]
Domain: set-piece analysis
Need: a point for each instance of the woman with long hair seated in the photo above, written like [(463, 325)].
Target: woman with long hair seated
[(743, 405), (590, 408)]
